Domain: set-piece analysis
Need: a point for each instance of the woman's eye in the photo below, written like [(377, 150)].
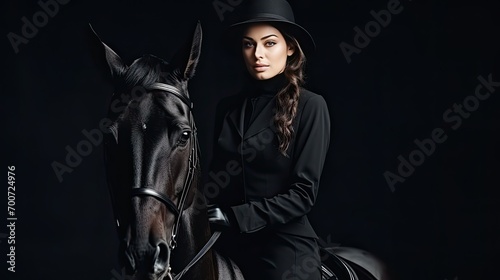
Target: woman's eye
[(270, 43), (247, 44)]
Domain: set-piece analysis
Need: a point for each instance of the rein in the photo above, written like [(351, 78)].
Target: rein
[(193, 163)]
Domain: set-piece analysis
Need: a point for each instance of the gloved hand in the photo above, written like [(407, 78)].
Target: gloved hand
[(217, 217)]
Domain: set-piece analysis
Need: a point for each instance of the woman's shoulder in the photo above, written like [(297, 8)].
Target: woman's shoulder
[(311, 99), (313, 109)]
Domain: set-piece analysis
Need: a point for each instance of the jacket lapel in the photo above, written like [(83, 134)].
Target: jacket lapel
[(261, 122), (236, 117)]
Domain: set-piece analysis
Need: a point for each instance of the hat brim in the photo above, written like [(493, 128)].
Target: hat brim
[(304, 38)]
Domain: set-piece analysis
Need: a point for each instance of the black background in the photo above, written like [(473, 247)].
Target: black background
[(440, 223)]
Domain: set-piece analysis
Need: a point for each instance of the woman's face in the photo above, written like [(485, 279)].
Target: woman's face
[(265, 51)]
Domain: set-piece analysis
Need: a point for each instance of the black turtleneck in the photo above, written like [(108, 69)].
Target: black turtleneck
[(260, 93)]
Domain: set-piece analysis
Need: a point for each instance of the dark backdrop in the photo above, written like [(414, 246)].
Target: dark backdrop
[(440, 223)]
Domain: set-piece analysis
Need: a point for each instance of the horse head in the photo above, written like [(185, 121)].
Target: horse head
[(151, 155)]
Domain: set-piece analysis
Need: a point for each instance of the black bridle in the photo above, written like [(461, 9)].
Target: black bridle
[(177, 210), (193, 163)]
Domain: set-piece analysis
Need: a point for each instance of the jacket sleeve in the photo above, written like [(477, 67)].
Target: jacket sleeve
[(311, 146)]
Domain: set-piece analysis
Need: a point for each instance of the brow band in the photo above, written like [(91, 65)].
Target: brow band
[(171, 89)]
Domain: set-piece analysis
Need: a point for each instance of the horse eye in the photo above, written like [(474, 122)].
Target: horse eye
[(184, 137)]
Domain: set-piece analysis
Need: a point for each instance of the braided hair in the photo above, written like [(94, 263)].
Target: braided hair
[(287, 99)]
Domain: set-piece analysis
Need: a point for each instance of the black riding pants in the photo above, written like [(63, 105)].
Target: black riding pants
[(268, 255)]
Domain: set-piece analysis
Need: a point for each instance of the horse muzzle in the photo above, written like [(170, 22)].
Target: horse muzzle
[(152, 262)]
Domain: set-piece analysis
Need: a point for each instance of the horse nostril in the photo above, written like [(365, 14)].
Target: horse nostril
[(162, 257), (126, 258), (129, 263)]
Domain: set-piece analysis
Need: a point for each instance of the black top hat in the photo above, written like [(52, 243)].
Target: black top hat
[(276, 12)]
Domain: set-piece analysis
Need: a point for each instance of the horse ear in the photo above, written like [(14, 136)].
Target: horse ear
[(194, 53), (115, 63)]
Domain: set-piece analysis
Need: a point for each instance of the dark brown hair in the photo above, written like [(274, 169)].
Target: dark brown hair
[(287, 99)]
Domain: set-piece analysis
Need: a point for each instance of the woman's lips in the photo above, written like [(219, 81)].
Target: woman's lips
[(261, 67)]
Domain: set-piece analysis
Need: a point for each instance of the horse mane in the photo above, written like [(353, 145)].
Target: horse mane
[(150, 69)]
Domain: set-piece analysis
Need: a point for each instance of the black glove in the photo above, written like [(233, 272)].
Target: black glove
[(217, 217)]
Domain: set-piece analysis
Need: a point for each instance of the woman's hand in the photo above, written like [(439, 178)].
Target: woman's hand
[(217, 217)]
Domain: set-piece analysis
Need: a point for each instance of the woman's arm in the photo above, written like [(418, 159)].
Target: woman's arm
[(311, 146)]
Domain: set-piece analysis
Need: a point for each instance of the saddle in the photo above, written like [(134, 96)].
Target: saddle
[(346, 263), (337, 263)]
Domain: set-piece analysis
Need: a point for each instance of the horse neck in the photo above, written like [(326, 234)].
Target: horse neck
[(193, 235)]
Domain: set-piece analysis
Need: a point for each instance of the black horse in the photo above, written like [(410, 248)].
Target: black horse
[(153, 168)]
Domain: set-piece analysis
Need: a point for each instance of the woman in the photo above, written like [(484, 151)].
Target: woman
[(269, 150)]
